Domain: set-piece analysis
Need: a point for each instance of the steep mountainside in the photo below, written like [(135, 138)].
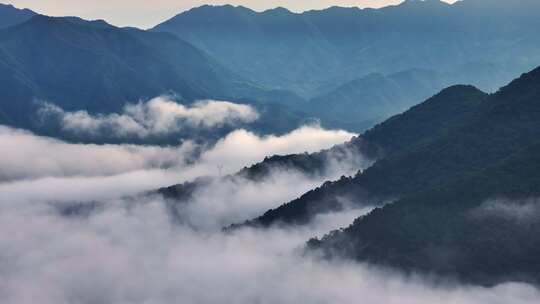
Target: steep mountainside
[(501, 124), (479, 229), (419, 124), (466, 197)]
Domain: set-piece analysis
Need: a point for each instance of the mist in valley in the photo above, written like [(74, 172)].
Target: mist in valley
[(127, 246), (261, 155)]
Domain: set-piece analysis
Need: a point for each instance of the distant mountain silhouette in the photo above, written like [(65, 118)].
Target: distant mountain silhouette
[(375, 97), (481, 42), (94, 66), (10, 15)]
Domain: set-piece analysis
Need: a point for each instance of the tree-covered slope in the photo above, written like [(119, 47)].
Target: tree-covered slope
[(399, 135), (500, 125), (480, 228), (419, 124)]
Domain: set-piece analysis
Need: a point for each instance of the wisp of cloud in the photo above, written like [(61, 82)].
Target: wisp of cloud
[(159, 116)]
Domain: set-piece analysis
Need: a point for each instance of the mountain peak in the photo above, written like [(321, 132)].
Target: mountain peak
[(423, 3), (278, 11), (460, 88), (13, 8), (10, 15), (410, 2), (227, 8)]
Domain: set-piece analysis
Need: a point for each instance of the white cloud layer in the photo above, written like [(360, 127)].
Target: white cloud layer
[(136, 255), (157, 117), (130, 250), (26, 156), (37, 167), (244, 147)]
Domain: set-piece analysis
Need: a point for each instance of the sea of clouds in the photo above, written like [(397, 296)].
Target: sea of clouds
[(129, 249)]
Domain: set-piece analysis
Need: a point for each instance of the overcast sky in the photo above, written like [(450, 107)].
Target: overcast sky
[(145, 13)]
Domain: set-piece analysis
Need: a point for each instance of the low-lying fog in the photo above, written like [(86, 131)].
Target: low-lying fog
[(132, 251)]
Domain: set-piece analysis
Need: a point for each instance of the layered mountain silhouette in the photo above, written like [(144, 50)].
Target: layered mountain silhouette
[(419, 125), (350, 68), (455, 179), (462, 178), (93, 66), (476, 42), (395, 138), (375, 97)]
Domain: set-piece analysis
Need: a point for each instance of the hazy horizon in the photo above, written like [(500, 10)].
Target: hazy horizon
[(145, 14)]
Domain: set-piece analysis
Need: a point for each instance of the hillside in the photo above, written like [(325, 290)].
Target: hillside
[(499, 126), (415, 127), (91, 65), (477, 229)]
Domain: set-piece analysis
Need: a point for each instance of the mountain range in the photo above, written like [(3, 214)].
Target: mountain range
[(349, 68), (93, 66), (480, 42), (454, 180), (458, 178)]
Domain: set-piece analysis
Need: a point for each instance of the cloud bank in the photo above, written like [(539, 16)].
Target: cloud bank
[(242, 148), (35, 167), (130, 250), (133, 253), (157, 117), (27, 156)]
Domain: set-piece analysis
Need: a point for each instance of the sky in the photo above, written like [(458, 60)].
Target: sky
[(146, 14)]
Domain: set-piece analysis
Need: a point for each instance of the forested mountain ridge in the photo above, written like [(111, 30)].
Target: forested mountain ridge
[(477, 229), (462, 202), (420, 123), (497, 127), (405, 132)]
